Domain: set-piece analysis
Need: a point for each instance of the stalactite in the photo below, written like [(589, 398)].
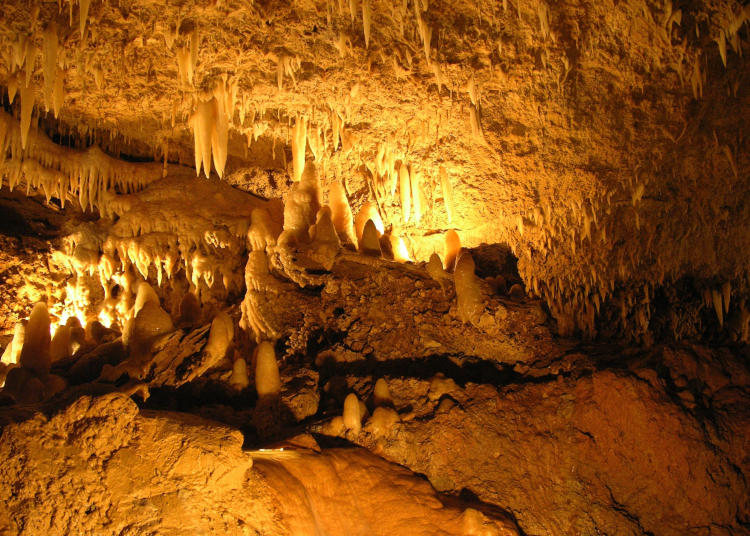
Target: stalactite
[(367, 20), (405, 190), (299, 144), (50, 64), (417, 194), (84, 14), (27, 106), (445, 183), (220, 132), (452, 248)]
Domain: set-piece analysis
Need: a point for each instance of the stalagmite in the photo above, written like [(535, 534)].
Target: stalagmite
[(141, 331), (370, 242), (468, 293), (452, 249), (61, 346), (341, 213), (267, 380), (445, 183), (12, 352), (35, 353), (325, 242), (352, 416), (382, 422), (220, 337), (398, 247), (27, 106), (301, 207), (239, 379), (369, 211), (381, 395), (436, 270), (144, 293), (405, 191), (299, 143)]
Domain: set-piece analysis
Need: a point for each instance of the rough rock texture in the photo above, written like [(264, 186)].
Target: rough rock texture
[(591, 153), (623, 451), (102, 467)]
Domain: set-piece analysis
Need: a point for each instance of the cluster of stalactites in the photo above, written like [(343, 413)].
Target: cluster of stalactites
[(210, 124), (88, 175)]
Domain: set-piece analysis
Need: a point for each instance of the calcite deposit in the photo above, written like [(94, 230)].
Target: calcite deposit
[(357, 267)]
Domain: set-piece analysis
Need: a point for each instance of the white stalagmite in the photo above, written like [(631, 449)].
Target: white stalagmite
[(468, 293), (382, 422), (370, 242), (12, 352), (325, 242), (445, 183), (400, 252), (369, 211), (435, 269), (144, 293), (220, 337), (267, 379), (61, 346), (301, 207), (299, 143), (141, 330), (405, 190), (35, 353), (341, 213), (239, 378), (352, 416), (382, 395), (452, 248)]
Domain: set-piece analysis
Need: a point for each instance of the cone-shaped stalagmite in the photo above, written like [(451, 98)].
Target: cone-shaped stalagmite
[(341, 213), (267, 380), (370, 243), (35, 353), (468, 293)]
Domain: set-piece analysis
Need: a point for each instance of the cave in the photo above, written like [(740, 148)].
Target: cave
[(369, 267)]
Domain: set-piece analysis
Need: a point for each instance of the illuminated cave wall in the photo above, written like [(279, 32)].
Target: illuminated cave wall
[(385, 224)]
